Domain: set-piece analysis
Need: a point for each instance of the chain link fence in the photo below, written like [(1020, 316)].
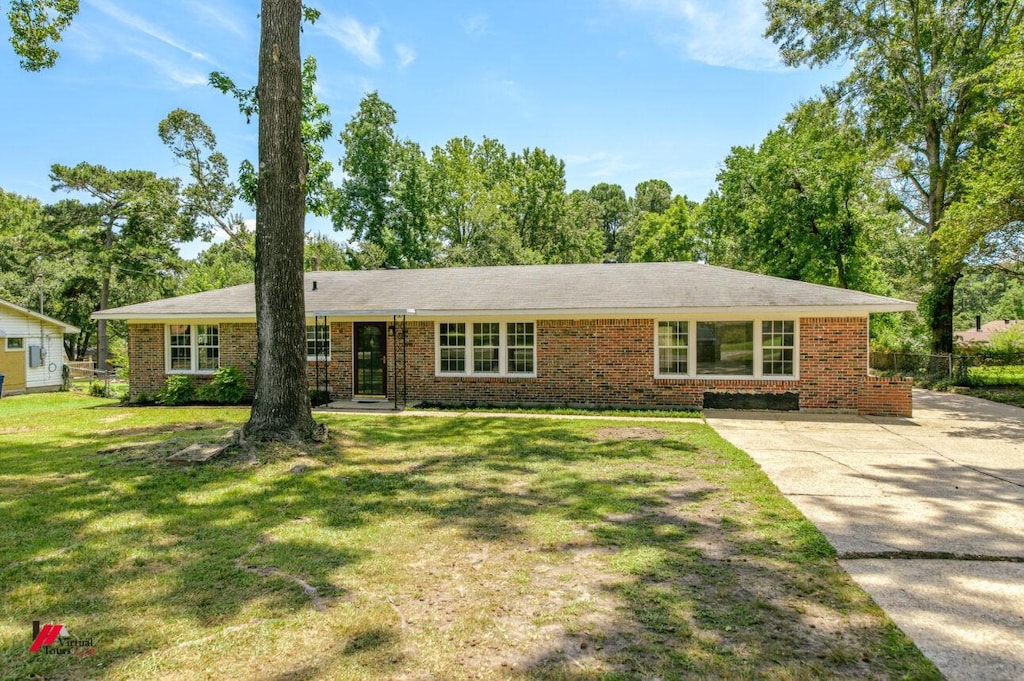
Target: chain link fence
[(969, 369), (915, 365)]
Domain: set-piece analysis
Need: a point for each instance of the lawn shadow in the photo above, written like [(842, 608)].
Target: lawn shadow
[(204, 546)]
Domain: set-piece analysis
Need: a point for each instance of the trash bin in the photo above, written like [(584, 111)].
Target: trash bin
[(1, 385)]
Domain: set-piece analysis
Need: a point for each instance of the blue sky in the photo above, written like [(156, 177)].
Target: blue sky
[(621, 90)]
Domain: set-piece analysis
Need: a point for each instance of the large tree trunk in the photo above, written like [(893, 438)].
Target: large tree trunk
[(939, 311), (280, 408), (102, 344)]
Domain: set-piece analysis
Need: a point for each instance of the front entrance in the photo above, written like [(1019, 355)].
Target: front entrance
[(370, 359)]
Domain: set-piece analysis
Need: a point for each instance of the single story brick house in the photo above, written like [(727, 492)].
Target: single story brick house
[(645, 335)]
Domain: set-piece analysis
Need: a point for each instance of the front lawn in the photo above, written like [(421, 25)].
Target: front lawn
[(415, 547)]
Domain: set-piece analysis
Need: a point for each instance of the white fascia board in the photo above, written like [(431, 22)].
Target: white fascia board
[(156, 317), (361, 313), (663, 312), (550, 313)]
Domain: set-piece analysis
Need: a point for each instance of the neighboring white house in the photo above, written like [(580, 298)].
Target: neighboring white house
[(31, 349)]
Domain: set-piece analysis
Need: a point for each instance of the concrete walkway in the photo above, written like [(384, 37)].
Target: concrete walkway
[(926, 514)]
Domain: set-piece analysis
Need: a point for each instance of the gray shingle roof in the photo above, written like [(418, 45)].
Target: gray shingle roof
[(651, 288)]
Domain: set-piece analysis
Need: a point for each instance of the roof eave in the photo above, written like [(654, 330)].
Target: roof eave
[(68, 328), (759, 310)]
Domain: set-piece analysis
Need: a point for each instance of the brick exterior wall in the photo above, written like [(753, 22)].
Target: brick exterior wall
[(885, 396), (602, 362), (146, 359)]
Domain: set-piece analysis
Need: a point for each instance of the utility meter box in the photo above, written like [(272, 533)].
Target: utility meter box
[(36, 355)]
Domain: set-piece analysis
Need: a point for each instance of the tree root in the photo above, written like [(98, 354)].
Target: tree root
[(318, 600), (226, 630)]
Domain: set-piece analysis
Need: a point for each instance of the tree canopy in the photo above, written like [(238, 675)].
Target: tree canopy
[(914, 84)]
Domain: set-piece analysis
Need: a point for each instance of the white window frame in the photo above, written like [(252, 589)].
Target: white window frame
[(792, 347), (467, 349), (193, 349), (311, 328), (691, 351), (11, 346), (503, 369), (473, 347)]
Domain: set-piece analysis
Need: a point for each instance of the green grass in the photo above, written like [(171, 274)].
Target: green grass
[(415, 547), (1011, 375), (1006, 394)]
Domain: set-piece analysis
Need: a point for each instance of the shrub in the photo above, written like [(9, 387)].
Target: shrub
[(318, 397), (98, 389), (177, 391), (228, 386), (144, 398), (1010, 339)]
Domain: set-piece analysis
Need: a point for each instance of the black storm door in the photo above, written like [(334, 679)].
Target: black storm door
[(371, 353)]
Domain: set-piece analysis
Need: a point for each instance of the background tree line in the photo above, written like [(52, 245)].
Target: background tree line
[(901, 179)]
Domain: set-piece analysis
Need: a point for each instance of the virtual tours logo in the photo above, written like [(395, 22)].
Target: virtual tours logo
[(55, 639)]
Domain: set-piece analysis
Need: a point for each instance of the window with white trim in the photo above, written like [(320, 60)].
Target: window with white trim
[(755, 348), (725, 348), (318, 342), (777, 348), (193, 348), (15, 343), (486, 348), (673, 347), (179, 347), (208, 347), (520, 345), (452, 342)]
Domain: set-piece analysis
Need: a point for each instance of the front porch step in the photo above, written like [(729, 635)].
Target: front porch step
[(364, 405)]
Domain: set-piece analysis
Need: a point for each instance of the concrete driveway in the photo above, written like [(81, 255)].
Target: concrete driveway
[(926, 514)]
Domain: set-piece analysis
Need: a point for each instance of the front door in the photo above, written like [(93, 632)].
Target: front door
[(371, 357)]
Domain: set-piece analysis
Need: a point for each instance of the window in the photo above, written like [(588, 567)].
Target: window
[(673, 347), (725, 348), (180, 347), (754, 348), (318, 342), (15, 343), (208, 344), (777, 346), (520, 347), (452, 355), (193, 349), (486, 348)]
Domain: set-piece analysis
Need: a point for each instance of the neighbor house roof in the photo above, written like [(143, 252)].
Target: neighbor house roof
[(985, 333), (540, 290), (38, 317)]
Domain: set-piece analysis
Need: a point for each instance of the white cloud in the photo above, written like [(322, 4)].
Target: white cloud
[(476, 25), (406, 55), (181, 76), (599, 165), (143, 26), (715, 32), (359, 40), (85, 42), (210, 13)]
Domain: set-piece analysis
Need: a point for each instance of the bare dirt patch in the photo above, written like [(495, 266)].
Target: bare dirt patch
[(617, 434)]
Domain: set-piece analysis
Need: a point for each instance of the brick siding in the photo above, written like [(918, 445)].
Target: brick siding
[(603, 362), (885, 396)]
